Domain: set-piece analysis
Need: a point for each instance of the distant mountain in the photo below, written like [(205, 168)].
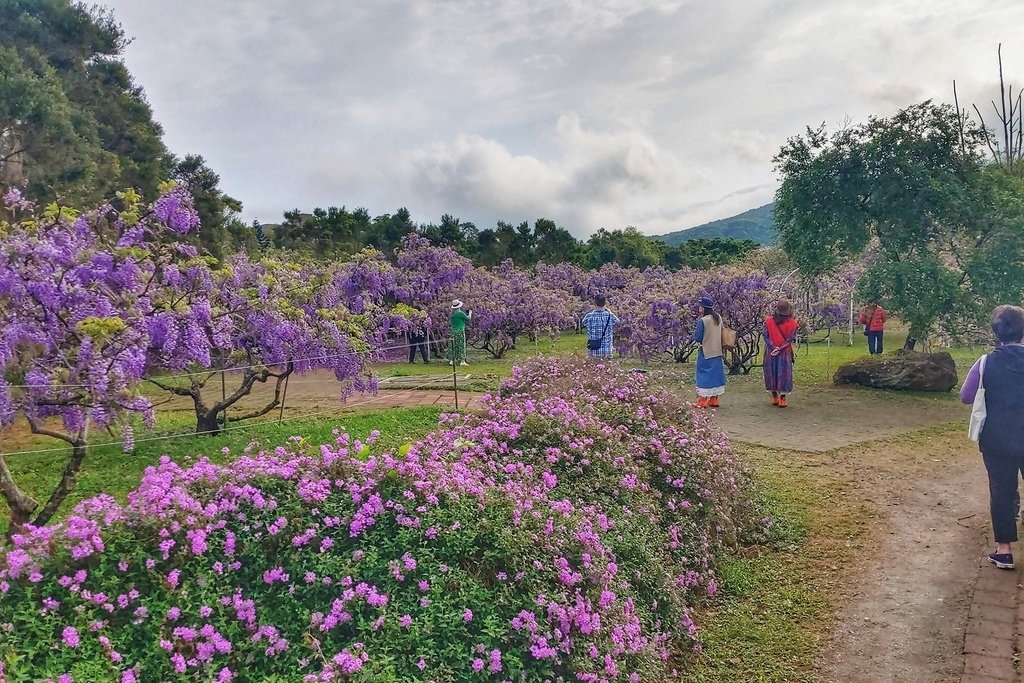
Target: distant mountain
[(755, 225)]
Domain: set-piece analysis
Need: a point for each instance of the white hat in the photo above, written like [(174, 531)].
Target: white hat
[(457, 304)]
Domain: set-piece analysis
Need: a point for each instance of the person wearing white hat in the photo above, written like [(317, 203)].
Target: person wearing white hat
[(459, 320)]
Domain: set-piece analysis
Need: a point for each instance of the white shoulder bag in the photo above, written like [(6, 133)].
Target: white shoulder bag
[(978, 409)]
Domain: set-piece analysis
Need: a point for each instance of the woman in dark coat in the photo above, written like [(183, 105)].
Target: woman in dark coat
[(1001, 441)]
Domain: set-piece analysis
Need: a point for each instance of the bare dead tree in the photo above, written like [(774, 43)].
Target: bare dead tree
[(961, 119), (1008, 151)]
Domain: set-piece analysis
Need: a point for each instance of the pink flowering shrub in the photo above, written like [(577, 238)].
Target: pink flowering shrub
[(563, 535)]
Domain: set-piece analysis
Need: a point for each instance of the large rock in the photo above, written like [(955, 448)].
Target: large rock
[(904, 370)]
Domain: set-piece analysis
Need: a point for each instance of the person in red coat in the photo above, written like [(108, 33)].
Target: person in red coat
[(873, 320)]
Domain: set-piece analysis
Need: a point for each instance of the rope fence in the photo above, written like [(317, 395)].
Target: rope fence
[(247, 425), (238, 368)]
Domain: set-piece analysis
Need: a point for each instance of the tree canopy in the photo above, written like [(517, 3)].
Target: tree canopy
[(74, 124), (335, 232), (939, 229)]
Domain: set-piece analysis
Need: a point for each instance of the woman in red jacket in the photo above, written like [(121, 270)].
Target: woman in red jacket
[(873, 320)]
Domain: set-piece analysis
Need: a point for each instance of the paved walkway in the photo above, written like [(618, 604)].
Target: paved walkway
[(995, 627)]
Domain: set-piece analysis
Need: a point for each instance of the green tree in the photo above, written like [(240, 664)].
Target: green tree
[(452, 232), (42, 135), (74, 123), (329, 232), (555, 244), (83, 99), (629, 248), (217, 211), (488, 250), (914, 188), (387, 230), (260, 235), (704, 253)]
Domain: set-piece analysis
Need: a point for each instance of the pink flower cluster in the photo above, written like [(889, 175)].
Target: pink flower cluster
[(565, 533)]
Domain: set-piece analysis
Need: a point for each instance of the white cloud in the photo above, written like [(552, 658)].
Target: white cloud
[(588, 178), (595, 113), (751, 146), (472, 171)]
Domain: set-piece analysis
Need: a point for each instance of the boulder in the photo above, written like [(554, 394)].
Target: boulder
[(904, 370)]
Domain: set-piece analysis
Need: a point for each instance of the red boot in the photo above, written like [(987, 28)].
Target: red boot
[(713, 402), (702, 402)]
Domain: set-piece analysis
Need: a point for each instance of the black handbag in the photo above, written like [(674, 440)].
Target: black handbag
[(595, 344)]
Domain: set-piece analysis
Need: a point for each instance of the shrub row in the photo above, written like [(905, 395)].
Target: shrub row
[(564, 534)]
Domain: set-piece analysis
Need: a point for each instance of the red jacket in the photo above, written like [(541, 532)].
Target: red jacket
[(876, 322)]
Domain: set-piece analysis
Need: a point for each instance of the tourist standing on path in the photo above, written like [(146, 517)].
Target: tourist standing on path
[(1001, 376), (779, 334), (600, 325), (873, 320), (417, 335), (459, 320), (710, 361)]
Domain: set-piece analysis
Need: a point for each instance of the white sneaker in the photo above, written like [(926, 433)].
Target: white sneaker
[(451, 362), (463, 363)]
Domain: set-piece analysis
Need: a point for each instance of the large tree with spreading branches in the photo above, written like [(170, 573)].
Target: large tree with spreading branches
[(945, 227)]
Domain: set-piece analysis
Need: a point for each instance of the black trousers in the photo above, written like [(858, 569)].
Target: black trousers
[(1004, 501), (418, 341), (875, 342)]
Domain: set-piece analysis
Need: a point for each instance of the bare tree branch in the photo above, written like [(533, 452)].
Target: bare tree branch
[(275, 402), (38, 428), (178, 391)]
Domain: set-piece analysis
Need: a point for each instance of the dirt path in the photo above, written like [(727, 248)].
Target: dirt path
[(821, 419), (904, 603), (320, 390), (905, 608)]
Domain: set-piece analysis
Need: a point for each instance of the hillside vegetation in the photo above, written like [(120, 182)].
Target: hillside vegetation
[(756, 225)]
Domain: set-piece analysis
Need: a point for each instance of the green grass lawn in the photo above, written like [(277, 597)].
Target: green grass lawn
[(109, 470), (484, 363), (777, 603), (485, 371), (816, 362)]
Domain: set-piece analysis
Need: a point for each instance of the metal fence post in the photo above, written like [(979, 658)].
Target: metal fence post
[(224, 396), (284, 397)]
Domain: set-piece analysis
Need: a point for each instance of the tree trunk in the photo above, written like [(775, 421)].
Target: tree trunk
[(211, 420), (68, 480), (911, 342), (21, 504), (207, 422)]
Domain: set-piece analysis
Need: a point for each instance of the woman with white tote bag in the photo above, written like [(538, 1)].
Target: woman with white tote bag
[(995, 389)]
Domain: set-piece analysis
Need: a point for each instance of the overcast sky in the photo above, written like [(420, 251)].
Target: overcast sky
[(661, 114)]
